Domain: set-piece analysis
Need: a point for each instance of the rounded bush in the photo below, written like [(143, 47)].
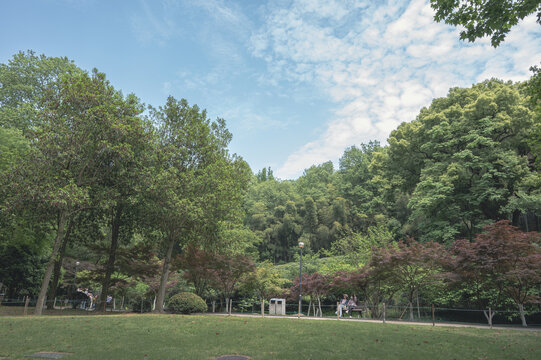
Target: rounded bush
[(187, 303)]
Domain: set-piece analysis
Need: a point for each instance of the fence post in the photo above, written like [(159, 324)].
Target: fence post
[(213, 305), (418, 308), (490, 317), (365, 315), (262, 307), (433, 319), (54, 304), (27, 299), (230, 305), (384, 313)]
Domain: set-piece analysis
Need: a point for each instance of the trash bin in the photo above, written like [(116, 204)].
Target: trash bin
[(277, 307)]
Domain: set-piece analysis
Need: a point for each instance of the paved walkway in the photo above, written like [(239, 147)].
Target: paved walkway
[(462, 325)]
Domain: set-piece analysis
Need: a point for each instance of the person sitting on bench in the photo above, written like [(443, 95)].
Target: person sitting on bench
[(352, 304), (342, 305)]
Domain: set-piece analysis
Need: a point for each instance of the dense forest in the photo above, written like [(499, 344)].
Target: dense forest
[(466, 161), (99, 191)]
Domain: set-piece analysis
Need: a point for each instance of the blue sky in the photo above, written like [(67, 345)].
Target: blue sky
[(298, 81)]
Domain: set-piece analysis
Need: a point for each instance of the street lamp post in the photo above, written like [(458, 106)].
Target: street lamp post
[(75, 275), (301, 245)]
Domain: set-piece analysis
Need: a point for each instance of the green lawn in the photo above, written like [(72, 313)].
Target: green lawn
[(206, 337)]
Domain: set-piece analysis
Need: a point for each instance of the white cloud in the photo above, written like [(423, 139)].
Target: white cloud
[(380, 62), (154, 27)]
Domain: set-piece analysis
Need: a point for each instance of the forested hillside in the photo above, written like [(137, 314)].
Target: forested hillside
[(464, 162)]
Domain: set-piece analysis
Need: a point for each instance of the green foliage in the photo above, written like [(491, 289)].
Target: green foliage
[(265, 174), (21, 269), (237, 239), (494, 18), (186, 303), (265, 282), (357, 248), (13, 147), (315, 181), (467, 153), (23, 83), (312, 263), (355, 182), (138, 298), (335, 264)]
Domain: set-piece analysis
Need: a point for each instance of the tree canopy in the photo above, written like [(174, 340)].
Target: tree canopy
[(493, 18)]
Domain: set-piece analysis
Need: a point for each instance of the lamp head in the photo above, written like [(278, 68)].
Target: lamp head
[(77, 263), (301, 244)]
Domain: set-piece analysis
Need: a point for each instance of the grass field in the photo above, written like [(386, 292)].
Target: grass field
[(207, 337)]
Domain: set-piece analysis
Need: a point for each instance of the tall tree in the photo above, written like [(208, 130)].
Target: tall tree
[(125, 174), (462, 159), (354, 183), (70, 146), (197, 182)]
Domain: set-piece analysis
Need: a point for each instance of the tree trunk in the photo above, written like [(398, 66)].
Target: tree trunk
[(58, 264), (50, 265), (366, 308), (110, 266), (165, 276), (522, 315), (489, 316), (319, 304), (418, 308), (411, 311)]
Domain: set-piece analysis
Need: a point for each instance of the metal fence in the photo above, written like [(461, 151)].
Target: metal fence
[(25, 305), (396, 312), (380, 312)]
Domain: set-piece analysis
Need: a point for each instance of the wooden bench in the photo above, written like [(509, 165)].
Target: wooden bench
[(359, 310)]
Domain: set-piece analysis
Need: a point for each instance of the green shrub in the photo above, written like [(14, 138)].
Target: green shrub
[(187, 303)]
